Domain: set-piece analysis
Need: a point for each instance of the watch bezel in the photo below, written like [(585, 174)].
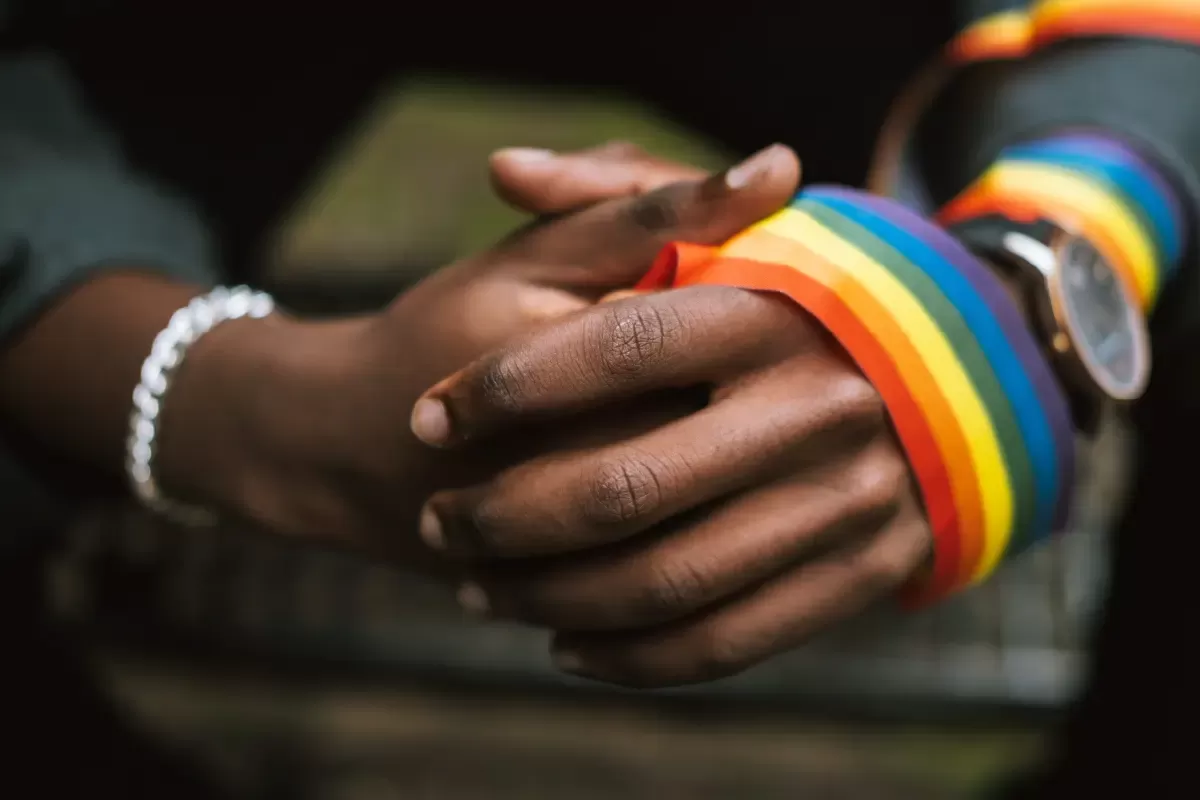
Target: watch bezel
[(1066, 343)]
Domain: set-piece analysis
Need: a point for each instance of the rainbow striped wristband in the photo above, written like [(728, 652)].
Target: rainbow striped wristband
[(1017, 33), (1025, 32), (1095, 186), (975, 406)]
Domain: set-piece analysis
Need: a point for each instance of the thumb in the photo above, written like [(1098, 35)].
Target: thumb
[(611, 245)]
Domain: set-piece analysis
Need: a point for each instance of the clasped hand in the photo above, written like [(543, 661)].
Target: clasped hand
[(768, 501), (678, 484)]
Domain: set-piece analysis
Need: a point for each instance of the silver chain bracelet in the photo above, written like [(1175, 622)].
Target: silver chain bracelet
[(170, 347)]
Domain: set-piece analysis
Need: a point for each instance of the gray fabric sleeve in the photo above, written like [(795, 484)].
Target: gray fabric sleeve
[(1142, 91), (69, 205)]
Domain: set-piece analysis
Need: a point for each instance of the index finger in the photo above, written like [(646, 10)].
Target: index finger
[(542, 182), (611, 245), (607, 353)]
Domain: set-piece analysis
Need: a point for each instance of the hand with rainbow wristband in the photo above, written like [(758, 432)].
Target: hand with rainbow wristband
[(1023, 33), (982, 418), (1083, 180), (984, 424), (978, 418), (983, 421), (978, 421)]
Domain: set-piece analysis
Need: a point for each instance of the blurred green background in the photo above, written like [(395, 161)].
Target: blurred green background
[(410, 186)]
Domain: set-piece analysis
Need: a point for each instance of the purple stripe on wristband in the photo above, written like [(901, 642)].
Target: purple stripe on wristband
[(1016, 330), (1130, 156)]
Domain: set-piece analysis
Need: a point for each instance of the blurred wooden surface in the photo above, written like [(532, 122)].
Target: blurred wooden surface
[(300, 676), (273, 738)]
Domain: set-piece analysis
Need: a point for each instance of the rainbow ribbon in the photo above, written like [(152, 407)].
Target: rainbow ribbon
[(979, 414), (981, 417), (1097, 187), (1091, 183), (1017, 34)]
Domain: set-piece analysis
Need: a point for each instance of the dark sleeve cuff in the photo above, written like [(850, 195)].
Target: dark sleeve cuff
[(69, 203), (70, 207), (1133, 89), (61, 222)]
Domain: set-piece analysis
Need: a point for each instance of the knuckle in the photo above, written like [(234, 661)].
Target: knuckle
[(622, 491), (488, 524), (879, 484), (922, 542), (722, 653), (674, 586), (502, 384), (858, 402), (634, 337), (734, 302), (656, 212), (882, 569)]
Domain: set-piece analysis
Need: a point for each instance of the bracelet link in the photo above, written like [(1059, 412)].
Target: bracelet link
[(167, 353)]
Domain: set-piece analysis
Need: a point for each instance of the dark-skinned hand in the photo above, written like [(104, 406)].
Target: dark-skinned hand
[(301, 425), (700, 547)]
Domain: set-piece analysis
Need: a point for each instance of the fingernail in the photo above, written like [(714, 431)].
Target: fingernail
[(569, 661), (430, 421), (473, 599), (525, 155), (753, 168), (622, 294), (430, 528)]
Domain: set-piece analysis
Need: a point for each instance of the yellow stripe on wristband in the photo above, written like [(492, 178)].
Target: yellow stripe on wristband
[(994, 485), (1007, 34), (1053, 20), (1018, 33), (1074, 202)]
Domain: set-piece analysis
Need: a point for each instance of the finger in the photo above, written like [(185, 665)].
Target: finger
[(608, 426), (563, 503), (607, 353), (622, 294), (710, 557), (588, 432), (777, 616), (544, 182), (610, 245)]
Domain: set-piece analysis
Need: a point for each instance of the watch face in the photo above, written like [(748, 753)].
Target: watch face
[(1104, 322)]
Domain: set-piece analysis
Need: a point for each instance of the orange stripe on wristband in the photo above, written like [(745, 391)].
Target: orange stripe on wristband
[(898, 374), (1030, 192), (1171, 20), (1017, 34), (1008, 34), (927, 334)]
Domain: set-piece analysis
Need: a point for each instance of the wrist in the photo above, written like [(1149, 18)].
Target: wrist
[(1012, 287), (247, 420), (967, 388)]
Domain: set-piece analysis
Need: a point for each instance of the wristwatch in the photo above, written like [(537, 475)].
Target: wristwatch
[(1093, 328)]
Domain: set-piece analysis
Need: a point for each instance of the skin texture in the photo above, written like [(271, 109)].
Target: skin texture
[(97, 334), (696, 549), (697, 546), (302, 426), (679, 485)]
